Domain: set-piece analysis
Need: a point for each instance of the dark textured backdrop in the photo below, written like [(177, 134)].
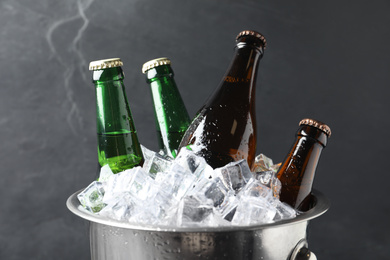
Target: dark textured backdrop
[(328, 60)]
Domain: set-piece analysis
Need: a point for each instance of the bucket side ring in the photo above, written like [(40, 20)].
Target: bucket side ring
[(301, 252)]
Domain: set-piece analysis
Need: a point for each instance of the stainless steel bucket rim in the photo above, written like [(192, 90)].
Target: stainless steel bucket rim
[(321, 206)]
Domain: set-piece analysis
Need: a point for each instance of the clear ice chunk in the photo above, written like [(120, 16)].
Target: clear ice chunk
[(216, 220), (105, 173), (269, 179), (284, 211), (134, 180), (156, 210), (210, 189), (176, 181), (258, 205), (141, 184), (193, 210), (155, 162), (255, 188), (121, 208), (118, 183), (263, 163), (253, 210), (191, 162), (276, 167), (160, 206), (147, 153), (235, 174), (91, 198), (224, 200)]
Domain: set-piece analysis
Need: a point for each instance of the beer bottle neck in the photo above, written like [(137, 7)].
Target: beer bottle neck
[(111, 74), (163, 72), (243, 68), (113, 112), (307, 150), (239, 83), (310, 132)]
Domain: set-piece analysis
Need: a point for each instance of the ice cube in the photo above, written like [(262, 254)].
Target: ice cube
[(144, 217), (155, 163), (276, 167), (118, 183), (214, 220), (253, 210), (147, 153), (162, 208), (284, 211), (211, 220), (122, 207), (269, 179), (255, 188), (141, 184), (193, 210), (134, 180), (105, 173), (152, 211), (228, 207), (191, 162), (257, 204), (91, 198), (176, 181), (209, 189), (263, 163), (235, 174), (224, 200)]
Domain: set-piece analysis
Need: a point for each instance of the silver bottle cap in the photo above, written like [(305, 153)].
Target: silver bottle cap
[(105, 64)]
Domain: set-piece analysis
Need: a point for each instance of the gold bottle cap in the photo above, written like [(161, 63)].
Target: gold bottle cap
[(318, 124), (155, 63), (253, 33), (105, 64)]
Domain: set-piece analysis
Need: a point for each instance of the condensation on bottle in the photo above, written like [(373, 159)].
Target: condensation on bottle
[(298, 168), (172, 119), (118, 144), (224, 130)]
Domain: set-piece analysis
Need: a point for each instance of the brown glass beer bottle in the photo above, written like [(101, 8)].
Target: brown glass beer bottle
[(298, 169), (224, 129)]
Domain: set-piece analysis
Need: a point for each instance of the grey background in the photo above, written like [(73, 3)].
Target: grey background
[(327, 60)]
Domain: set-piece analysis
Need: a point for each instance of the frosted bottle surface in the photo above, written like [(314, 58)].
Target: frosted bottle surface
[(224, 129)]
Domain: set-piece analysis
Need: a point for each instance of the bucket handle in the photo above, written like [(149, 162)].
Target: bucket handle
[(301, 252)]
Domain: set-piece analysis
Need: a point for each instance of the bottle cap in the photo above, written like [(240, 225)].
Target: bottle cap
[(318, 124), (155, 63), (253, 33), (105, 64)]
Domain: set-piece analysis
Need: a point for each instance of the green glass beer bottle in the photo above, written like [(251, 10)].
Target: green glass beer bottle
[(224, 129), (118, 144), (298, 169), (171, 115)]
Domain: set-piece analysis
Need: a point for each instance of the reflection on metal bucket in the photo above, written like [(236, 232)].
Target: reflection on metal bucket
[(114, 240)]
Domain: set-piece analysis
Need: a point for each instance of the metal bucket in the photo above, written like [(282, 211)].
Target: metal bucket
[(284, 240)]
